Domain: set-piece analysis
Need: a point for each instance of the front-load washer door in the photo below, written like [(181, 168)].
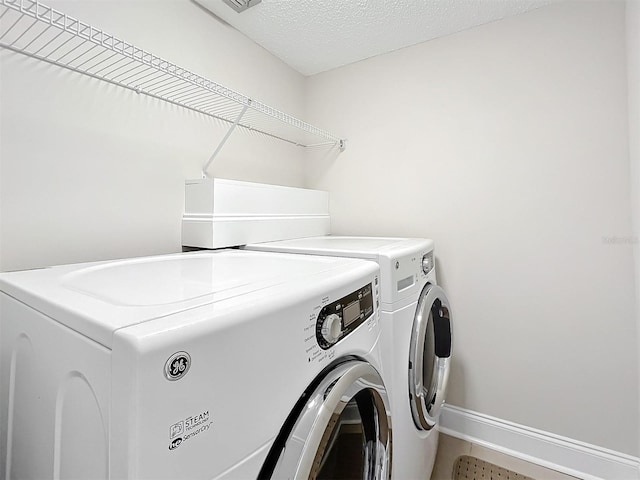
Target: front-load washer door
[(429, 356), (340, 428)]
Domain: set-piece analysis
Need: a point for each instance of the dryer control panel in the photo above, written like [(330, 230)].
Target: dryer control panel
[(338, 319)]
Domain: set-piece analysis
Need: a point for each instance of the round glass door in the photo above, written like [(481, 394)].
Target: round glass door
[(429, 356), (342, 429)]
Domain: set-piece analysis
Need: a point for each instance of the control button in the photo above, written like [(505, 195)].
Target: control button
[(331, 328)]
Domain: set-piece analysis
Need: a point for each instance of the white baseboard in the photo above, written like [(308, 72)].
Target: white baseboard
[(563, 454)]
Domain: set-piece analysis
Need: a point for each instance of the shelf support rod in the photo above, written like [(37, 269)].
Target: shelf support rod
[(224, 140)]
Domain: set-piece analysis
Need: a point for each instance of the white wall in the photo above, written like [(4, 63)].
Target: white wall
[(508, 145), (91, 171), (633, 82)]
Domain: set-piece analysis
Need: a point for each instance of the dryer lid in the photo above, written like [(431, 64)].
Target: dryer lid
[(400, 259), (96, 299), (343, 246), (178, 279)]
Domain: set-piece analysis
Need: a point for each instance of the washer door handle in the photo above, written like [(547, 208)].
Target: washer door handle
[(441, 332)]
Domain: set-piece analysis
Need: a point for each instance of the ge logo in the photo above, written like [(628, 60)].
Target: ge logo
[(177, 366)]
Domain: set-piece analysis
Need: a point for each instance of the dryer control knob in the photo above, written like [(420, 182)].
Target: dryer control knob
[(331, 328), (427, 263)]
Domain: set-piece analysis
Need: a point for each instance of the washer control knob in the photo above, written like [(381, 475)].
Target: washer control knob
[(331, 328), (427, 263)]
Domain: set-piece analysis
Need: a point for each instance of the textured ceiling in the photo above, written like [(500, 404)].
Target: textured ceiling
[(313, 36)]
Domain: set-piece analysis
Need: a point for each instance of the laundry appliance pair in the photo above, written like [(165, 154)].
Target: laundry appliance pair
[(415, 318), (224, 364)]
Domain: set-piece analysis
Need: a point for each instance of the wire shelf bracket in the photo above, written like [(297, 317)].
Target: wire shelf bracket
[(33, 29), (222, 142)]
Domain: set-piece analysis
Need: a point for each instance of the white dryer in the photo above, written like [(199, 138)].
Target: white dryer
[(230, 364), (416, 337)]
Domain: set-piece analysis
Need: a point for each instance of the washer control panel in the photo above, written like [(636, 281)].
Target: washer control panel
[(338, 319)]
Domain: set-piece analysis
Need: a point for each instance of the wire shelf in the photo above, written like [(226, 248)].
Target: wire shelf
[(30, 28)]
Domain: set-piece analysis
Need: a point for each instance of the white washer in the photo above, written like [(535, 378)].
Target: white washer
[(416, 337), (229, 364)]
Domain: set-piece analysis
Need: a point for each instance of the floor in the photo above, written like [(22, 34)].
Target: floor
[(450, 448)]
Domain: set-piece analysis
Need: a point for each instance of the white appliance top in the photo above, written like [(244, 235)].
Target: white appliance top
[(341, 246), (95, 299), (400, 259)]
